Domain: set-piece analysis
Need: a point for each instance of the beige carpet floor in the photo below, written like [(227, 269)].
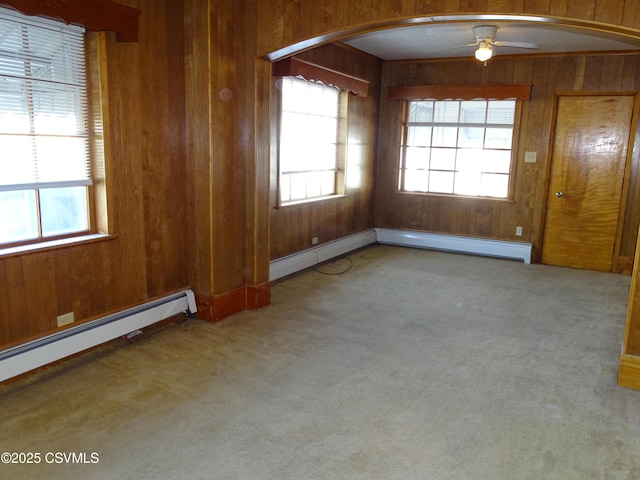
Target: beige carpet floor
[(412, 364)]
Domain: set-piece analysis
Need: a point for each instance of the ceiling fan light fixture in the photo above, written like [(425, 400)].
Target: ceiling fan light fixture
[(484, 52)]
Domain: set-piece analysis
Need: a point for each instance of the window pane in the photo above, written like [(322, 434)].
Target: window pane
[(285, 188), (501, 111), (441, 182), (419, 136), (416, 180), (61, 158), (417, 158), (471, 137), (328, 183), (64, 210), (446, 111), (499, 138), (16, 160), (473, 112), (19, 216), (467, 183), (445, 136), (443, 159), (497, 161), (469, 161), (494, 185), (421, 111), (298, 186)]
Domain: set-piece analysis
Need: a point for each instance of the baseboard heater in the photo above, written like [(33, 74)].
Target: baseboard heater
[(452, 243), (296, 262), (38, 353)]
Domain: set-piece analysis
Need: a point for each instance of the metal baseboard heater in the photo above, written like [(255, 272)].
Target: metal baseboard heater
[(43, 351)]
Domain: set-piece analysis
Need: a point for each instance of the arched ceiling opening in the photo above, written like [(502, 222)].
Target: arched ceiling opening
[(450, 36)]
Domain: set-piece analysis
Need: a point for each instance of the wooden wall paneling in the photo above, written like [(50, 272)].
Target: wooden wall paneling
[(360, 11), (472, 5), (583, 9), (630, 13), (79, 281), (228, 173), (15, 323), (292, 30), (593, 73), (629, 74), (612, 74), (545, 76), (631, 221), (39, 293), (319, 17), (65, 284), (258, 180), (198, 145), (273, 16), (537, 6), (559, 7), (162, 146), (430, 6), (609, 11), (5, 329), (499, 6), (125, 143), (394, 8)]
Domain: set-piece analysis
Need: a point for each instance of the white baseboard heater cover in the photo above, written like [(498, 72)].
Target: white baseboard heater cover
[(29, 356), (281, 267), (451, 243)]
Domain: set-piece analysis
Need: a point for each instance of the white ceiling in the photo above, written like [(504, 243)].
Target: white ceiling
[(449, 40)]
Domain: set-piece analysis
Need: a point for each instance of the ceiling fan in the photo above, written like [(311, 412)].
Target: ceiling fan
[(485, 41)]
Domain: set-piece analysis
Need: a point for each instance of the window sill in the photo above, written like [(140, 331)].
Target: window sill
[(54, 245), (309, 200)]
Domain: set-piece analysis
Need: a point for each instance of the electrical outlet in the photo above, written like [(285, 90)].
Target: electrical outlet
[(518, 231), (65, 319), (314, 240), (530, 157)]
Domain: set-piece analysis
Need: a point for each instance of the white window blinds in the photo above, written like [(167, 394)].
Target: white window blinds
[(43, 104)]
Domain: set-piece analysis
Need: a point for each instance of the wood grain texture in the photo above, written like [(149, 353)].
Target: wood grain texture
[(588, 164), (629, 371), (96, 15)]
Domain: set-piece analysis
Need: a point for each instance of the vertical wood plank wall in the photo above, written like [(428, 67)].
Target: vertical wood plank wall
[(147, 176), (293, 227), (494, 218), (188, 161)]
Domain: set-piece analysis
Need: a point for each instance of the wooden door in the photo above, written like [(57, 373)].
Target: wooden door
[(587, 171)]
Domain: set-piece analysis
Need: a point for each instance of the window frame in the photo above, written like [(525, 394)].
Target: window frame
[(341, 144), (509, 198), (100, 196)]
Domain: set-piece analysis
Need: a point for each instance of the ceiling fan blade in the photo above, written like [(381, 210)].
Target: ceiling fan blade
[(530, 45)]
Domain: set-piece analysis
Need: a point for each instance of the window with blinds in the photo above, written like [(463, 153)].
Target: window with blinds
[(312, 131), (44, 150)]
